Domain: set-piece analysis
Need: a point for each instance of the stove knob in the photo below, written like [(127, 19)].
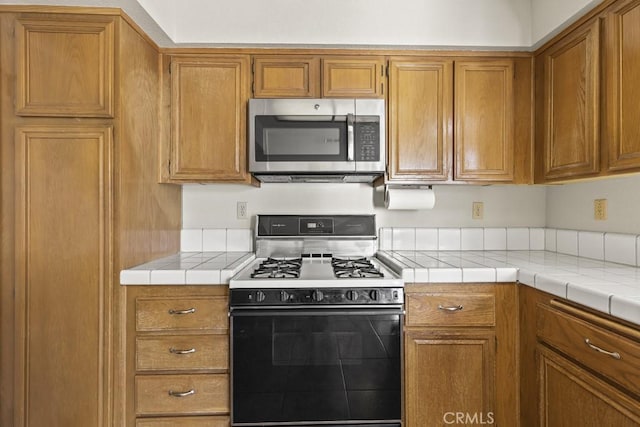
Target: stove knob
[(317, 296), (373, 295), (260, 296), (351, 295), (284, 296)]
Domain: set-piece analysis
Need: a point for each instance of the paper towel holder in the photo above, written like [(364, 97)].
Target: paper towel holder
[(404, 187)]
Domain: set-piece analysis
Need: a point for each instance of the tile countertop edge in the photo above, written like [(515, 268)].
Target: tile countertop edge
[(195, 275), (609, 295)]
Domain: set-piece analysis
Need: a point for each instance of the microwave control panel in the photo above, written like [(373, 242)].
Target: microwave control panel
[(367, 141)]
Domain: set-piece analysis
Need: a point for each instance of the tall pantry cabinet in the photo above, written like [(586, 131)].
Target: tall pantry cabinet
[(79, 132)]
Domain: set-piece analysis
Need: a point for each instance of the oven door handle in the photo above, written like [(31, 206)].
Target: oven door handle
[(342, 311)]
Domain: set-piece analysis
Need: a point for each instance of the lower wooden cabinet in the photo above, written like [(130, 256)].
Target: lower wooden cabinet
[(459, 355), (178, 356), (571, 396), (579, 367)]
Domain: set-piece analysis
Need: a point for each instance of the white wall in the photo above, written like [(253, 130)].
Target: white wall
[(549, 17), (571, 205), (347, 22), (214, 206)]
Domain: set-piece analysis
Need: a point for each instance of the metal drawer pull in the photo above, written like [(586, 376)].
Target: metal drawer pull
[(181, 393), (176, 351), (450, 308), (613, 354), (187, 311)]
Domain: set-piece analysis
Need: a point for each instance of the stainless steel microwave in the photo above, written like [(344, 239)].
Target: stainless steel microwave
[(317, 140)]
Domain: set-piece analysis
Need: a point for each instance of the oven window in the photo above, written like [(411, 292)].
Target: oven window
[(300, 140), (311, 368)]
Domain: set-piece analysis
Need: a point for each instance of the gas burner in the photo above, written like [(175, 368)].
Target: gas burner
[(349, 268), (286, 263), (278, 268)]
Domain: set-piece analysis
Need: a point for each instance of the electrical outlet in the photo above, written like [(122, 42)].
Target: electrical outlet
[(241, 210), (600, 209), (477, 210)]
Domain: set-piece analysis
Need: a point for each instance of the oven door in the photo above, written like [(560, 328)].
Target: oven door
[(329, 366)]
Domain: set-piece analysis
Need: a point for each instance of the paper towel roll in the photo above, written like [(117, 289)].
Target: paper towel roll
[(409, 198)]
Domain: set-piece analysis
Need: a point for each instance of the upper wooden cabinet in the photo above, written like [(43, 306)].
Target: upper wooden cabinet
[(65, 66), (208, 118), (295, 76), (484, 120), (437, 120), (353, 77), (286, 76), (622, 86), (568, 89), (420, 119)]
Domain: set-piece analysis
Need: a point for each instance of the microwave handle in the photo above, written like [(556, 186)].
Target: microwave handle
[(350, 138)]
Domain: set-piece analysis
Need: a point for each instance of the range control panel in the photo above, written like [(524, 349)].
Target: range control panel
[(318, 296)]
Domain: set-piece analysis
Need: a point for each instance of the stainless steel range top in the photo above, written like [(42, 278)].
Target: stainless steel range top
[(304, 251)]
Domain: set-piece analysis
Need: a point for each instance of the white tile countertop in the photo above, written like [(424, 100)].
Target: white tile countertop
[(602, 285), (188, 268)]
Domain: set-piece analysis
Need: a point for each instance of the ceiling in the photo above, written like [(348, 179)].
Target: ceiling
[(507, 24)]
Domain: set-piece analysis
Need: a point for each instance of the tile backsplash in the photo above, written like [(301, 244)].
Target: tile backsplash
[(216, 239), (614, 247), (465, 239)]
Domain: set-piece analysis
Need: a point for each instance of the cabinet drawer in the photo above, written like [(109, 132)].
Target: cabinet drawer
[(183, 422), (157, 314), (201, 394), (183, 352), (450, 309), (580, 340)]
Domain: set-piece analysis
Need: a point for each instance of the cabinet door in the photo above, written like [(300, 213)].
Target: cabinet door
[(63, 276), (570, 108), (571, 396), (484, 115), (420, 119), (286, 77), (622, 80), (353, 77), (449, 375), (208, 118), (65, 66)]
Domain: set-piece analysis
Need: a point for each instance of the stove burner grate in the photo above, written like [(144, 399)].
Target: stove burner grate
[(348, 268), (278, 268)]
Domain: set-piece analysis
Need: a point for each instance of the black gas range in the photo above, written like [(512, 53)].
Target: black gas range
[(316, 325)]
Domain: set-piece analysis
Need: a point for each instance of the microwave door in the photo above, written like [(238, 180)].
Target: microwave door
[(303, 144)]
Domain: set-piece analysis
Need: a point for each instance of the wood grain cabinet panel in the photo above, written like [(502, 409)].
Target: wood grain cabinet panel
[(286, 76), (205, 313), (484, 120), (182, 352), (182, 394), (460, 360), (63, 275), (449, 374), (359, 77), (65, 66), (622, 86), (570, 110), (570, 396), (451, 309), (420, 119), (208, 118), (199, 421)]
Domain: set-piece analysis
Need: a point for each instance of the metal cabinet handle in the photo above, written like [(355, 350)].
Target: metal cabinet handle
[(187, 311), (176, 351), (181, 393), (350, 138), (450, 308), (613, 354)]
